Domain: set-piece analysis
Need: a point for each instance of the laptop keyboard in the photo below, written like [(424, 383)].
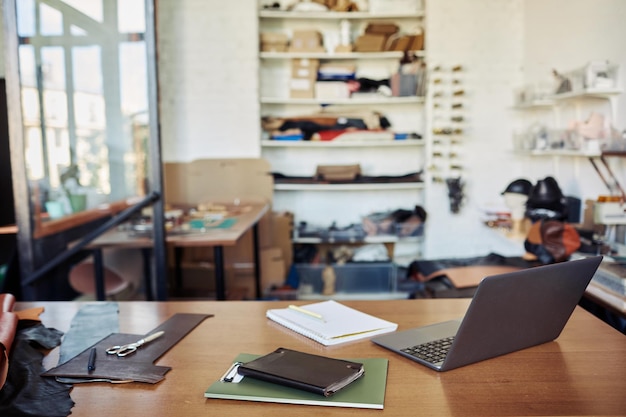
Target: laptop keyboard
[(433, 352)]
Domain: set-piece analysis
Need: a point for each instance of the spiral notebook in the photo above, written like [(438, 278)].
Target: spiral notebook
[(330, 323)]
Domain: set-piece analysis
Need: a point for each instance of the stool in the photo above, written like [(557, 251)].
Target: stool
[(82, 280)]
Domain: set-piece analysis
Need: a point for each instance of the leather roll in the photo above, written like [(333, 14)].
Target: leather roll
[(8, 327)]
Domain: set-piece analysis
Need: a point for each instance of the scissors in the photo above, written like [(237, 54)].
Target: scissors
[(125, 350)]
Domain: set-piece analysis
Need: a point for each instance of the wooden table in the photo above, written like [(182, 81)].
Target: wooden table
[(247, 218), (582, 373)]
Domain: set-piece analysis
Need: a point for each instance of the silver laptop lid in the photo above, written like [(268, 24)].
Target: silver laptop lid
[(516, 310)]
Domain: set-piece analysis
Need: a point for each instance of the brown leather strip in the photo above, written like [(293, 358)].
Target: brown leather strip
[(7, 301), (30, 314), (8, 327)]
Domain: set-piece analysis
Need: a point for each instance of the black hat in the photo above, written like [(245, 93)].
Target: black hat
[(546, 191), (546, 195), (520, 186)]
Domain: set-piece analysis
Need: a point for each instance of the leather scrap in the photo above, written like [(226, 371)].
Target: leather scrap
[(25, 393), (137, 367)]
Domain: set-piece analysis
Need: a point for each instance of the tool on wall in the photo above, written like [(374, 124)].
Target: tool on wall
[(449, 125)]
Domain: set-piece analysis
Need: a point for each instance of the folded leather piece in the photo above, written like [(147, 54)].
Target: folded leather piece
[(139, 366), (25, 393)]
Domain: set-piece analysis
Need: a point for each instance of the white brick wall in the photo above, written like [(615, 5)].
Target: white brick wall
[(208, 75), (486, 38)]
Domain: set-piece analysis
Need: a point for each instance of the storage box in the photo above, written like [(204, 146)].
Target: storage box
[(375, 277), (302, 88), (304, 68), (303, 76), (306, 41), (387, 29), (274, 42), (330, 90), (370, 42)]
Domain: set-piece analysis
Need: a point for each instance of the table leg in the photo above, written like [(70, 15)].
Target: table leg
[(98, 267), (257, 260), (146, 253), (218, 254), (178, 267)]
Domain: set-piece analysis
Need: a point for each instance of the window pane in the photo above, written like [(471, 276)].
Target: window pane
[(91, 8), (51, 21), (25, 17), (131, 16)]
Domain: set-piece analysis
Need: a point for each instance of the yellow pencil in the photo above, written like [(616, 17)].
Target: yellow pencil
[(307, 312)]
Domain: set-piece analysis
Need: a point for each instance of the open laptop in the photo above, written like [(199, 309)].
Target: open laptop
[(508, 312)]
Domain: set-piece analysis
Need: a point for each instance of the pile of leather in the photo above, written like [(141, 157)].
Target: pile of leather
[(23, 342), (318, 126)]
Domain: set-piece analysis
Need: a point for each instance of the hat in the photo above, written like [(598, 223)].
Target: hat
[(519, 186), (546, 194)]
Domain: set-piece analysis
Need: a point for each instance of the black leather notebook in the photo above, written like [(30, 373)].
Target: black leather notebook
[(305, 371)]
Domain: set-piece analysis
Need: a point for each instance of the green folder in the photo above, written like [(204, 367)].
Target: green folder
[(366, 392)]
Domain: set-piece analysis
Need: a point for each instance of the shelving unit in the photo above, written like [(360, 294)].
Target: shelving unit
[(555, 103), (348, 101), (317, 203)]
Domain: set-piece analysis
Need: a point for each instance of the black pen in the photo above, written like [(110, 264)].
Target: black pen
[(91, 365)]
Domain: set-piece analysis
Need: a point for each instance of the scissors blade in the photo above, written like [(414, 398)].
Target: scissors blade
[(125, 350)]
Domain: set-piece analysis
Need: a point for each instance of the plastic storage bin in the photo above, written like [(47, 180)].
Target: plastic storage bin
[(366, 277)]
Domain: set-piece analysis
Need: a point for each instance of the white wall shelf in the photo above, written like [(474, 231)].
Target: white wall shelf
[(380, 156), (535, 104), (560, 152), (588, 93), (341, 144), (350, 187), (271, 14), (346, 101), (338, 55)]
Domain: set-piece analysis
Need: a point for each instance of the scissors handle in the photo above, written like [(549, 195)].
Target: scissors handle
[(150, 338), (122, 351)]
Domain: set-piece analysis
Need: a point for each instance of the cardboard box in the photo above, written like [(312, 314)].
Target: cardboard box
[(329, 90), (282, 232), (304, 68), (273, 271), (274, 42), (302, 88), (306, 41), (370, 42), (403, 43), (381, 29), (418, 42)]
